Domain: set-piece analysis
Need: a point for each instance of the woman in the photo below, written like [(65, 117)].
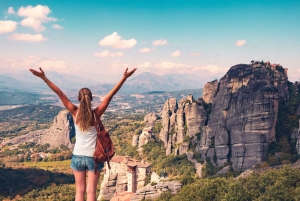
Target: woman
[(82, 160)]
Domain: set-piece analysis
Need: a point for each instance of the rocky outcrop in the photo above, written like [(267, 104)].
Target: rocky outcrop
[(153, 192), (150, 118), (239, 123), (147, 132), (296, 135), (244, 115), (186, 120), (210, 90), (108, 187), (168, 119), (59, 133)]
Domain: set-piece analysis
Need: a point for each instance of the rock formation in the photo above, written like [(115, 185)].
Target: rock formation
[(239, 123), (210, 90), (147, 133), (186, 120), (59, 133), (150, 118), (153, 192)]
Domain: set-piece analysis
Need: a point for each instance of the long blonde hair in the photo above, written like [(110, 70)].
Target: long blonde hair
[(84, 113)]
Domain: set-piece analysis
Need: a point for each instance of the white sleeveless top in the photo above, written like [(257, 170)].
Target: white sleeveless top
[(85, 141)]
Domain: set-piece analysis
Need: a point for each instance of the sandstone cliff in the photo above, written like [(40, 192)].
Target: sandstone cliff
[(59, 133), (240, 121)]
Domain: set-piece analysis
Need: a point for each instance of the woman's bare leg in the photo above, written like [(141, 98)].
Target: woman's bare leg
[(91, 188), (80, 183)]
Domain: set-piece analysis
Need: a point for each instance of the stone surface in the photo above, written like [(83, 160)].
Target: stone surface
[(242, 115), (209, 91), (59, 133), (153, 192), (151, 117), (135, 140), (223, 171)]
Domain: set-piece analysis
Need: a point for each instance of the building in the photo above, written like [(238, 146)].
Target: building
[(126, 175)]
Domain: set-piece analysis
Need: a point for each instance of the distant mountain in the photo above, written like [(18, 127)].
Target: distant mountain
[(65, 81), (12, 84), (144, 82)]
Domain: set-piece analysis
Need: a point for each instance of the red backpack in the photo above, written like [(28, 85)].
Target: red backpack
[(104, 150)]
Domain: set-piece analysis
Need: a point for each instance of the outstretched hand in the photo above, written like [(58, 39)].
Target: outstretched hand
[(40, 74), (128, 74)]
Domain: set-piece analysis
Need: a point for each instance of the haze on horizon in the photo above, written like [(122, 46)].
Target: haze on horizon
[(99, 39)]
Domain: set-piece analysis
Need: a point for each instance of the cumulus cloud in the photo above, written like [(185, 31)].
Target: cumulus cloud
[(144, 65), (35, 61), (27, 37), (160, 42), (145, 50), (194, 54), (166, 67), (114, 40), (240, 43), (34, 23), (53, 64), (10, 10), (35, 16), (7, 26), (177, 53), (106, 53), (57, 26)]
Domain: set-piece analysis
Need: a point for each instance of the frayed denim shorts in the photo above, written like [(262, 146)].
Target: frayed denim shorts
[(83, 163)]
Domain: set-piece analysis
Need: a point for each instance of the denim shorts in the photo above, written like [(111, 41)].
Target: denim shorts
[(83, 163)]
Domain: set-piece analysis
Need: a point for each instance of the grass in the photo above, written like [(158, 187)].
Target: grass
[(60, 166)]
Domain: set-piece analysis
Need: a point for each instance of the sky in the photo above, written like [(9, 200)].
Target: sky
[(99, 39)]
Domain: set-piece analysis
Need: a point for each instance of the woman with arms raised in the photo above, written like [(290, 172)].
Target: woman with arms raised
[(82, 160)]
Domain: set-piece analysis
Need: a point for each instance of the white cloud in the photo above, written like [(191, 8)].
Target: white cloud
[(39, 12), (106, 53), (35, 16), (34, 61), (145, 50), (10, 10), (170, 67), (57, 26), (194, 54), (115, 41), (53, 64), (7, 26), (214, 69), (144, 65), (34, 23), (177, 53), (27, 37), (240, 43), (160, 42)]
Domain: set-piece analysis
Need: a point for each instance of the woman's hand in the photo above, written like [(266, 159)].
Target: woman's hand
[(40, 74), (128, 74)]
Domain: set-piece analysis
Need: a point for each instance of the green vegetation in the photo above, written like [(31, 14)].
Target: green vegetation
[(21, 120), (176, 167), (18, 98), (18, 182), (282, 184), (287, 121)]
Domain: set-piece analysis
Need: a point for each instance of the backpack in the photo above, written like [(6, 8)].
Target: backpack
[(104, 149)]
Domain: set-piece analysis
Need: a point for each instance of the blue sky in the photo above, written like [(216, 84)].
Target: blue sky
[(99, 39)]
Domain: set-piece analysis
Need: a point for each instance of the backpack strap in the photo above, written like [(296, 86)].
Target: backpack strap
[(97, 122), (99, 126)]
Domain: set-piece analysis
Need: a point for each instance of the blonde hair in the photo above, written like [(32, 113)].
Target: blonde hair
[(84, 113)]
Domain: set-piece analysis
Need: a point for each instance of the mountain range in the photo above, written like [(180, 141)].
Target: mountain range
[(144, 82)]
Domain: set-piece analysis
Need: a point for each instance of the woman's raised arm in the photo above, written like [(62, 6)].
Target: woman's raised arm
[(64, 99), (102, 107)]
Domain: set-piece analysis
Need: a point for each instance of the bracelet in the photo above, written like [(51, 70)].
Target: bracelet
[(44, 78)]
